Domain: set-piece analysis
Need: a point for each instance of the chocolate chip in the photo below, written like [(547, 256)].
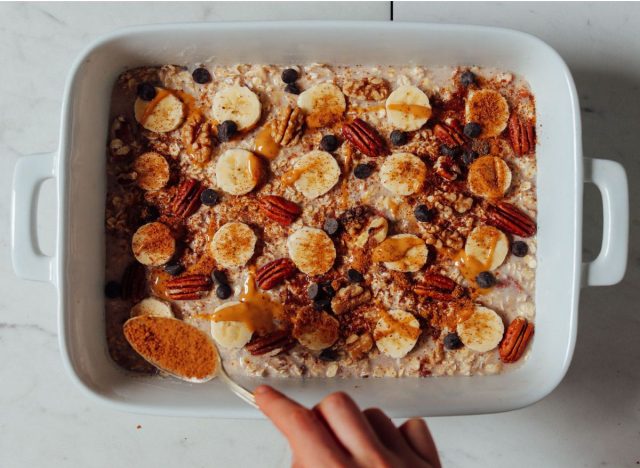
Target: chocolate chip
[(467, 78), (313, 290), (328, 355), (329, 143), (331, 226), (226, 130), (327, 289), (209, 197), (292, 89), (219, 277), (424, 214), (174, 268), (289, 75), (519, 249), (486, 280), (469, 156), (452, 341), (146, 91), (355, 276), (472, 129), (149, 213), (363, 171), (399, 138), (453, 152), (224, 291), (112, 289), (201, 75), (323, 303)]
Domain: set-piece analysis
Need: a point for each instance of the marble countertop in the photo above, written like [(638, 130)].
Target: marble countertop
[(591, 419)]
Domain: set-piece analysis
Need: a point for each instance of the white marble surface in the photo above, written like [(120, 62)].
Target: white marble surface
[(592, 419)]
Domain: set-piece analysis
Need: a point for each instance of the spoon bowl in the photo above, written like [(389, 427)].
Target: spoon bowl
[(168, 336)]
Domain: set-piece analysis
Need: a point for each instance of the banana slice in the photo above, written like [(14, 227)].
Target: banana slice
[(238, 171), (233, 245), (152, 171), (489, 109), (230, 334), (164, 113), (152, 306), (488, 245), (403, 173), (402, 252), (396, 333), (239, 104), (482, 331), (489, 177), (311, 250), (408, 108), (153, 244), (323, 104), (313, 174), (315, 330)]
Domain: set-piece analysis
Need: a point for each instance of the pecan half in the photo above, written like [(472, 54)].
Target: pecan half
[(134, 282), (275, 342), (349, 297), (186, 201), (365, 138), (274, 273), (446, 168), (196, 138), (438, 287), (188, 287), (287, 128), (449, 134), (279, 209), (507, 217), (522, 134), (367, 89), (515, 340)]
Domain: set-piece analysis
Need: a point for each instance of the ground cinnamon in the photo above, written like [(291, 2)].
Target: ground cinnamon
[(172, 345)]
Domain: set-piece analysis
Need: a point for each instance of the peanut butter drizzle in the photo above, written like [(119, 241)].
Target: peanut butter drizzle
[(391, 250), (291, 176), (401, 327), (365, 110), (203, 266), (460, 314), (158, 280), (256, 310), (470, 267), (160, 95), (265, 145), (188, 100), (255, 169), (414, 110)]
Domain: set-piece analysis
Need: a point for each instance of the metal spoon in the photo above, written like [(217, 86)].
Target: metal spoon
[(219, 371)]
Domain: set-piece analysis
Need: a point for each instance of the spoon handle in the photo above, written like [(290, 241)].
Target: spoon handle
[(238, 389)]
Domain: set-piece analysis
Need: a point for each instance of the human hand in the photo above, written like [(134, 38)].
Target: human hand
[(335, 433)]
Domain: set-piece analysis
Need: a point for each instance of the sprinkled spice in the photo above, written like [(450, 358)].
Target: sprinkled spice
[(172, 345)]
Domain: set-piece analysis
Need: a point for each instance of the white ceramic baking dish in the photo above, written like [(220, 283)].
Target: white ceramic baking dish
[(78, 167)]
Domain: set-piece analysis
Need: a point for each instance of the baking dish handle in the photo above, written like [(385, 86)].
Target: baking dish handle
[(611, 179), (28, 260)]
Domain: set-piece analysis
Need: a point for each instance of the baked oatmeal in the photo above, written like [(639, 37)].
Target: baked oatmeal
[(324, 220)]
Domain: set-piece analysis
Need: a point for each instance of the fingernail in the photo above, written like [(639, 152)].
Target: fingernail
[(262, 389)]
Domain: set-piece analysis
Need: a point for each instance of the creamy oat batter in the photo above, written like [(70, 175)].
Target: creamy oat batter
[(403, 241)]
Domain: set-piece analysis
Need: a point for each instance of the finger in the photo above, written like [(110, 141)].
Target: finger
[(386, 431), (350, 427), (305, 433), (417, 434)]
